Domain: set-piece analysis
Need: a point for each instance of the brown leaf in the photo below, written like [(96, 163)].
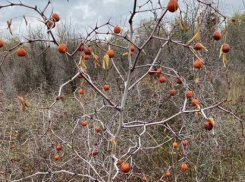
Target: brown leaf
[(23, 103), (9, 22)]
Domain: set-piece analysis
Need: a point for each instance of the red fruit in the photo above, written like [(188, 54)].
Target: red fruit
[(198, 46), (172, 92), (81, 48), (217, 35), (117, 29), (144, 178), (55, 17), (119, 162), (225, 48), (95, 152), (1, 43), (106, 87), (195, 102), (184, 142), (189, 94), (162, 79), (56, 157), (125, 167), (208, 126), (180, 80), (58, 147), (110, 53), (88, 51), (173, 5), (167, 174), (80, 75), (98, 129), (151, 72)]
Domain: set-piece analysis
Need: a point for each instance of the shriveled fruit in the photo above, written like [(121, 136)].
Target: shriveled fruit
[(217, 35), (58, 147), (211, 121), (132, 48), (184, 167), (180, 80), (88, 51), (119, 162), (208, 126), (167, 174), (172, 92), (80, 75), (95, 152), (86, 56), (98, 129), (81, 92), (198, 46), (198, 64), (56, 157), (144, 178), (106, 87), (189, 94), (173, 5), (84, 123), (125, 167), (117, 29), (1, 43), (195, 102), (175, 145), (162, 79), (55, 17), (225, 48), (151, 72), (184, 142), (21, 52), (81, 48), (62, 48), (110, 53)]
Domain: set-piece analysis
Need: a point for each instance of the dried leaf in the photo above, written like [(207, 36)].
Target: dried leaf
[(125, 54), (9, 23), (181, 24), (25, 19), (197, 36), (82, 64), (23, 103), (106, 61), (225, 59), (220, 51), (82, 83)]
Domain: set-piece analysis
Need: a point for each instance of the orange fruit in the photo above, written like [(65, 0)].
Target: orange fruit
[(110, 53), (55, 17), (84, 123), (62, 48), (86, 57), (172, 92), (167, 174), (175, 145), (80, 91), (173, 5), (125, 167), (56, 157), (225, 48), (144, 178), (50, 24), (21, 52), (197, 64), (117, 29), (217, 35), (189, 94), (195, 102), (162, 79), (184, 167), (58, 147), (106, 87), (1, 43), (132, 48), (98, 129)]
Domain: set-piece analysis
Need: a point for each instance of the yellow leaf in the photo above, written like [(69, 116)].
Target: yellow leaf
[(220, 51), (112, 140), (225, 59), (106, 61), (82, 64), (23, 102), (82, 83), (197, 36), (181, 24), (9, 23), (125, 54), (204, 47)]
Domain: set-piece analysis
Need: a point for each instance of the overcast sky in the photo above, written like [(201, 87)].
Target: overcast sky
[(85, 13)]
